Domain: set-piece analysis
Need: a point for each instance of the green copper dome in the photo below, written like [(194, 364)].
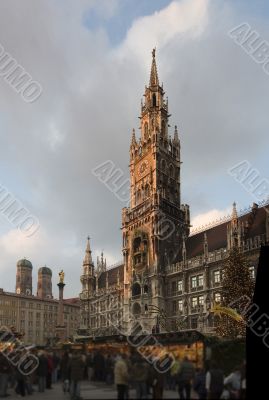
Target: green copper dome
[(24, 263), (45, 271)]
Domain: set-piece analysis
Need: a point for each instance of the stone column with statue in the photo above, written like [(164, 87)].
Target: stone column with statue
[(61, 328)]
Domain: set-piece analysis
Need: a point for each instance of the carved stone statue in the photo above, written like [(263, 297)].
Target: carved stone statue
[(61, 276)]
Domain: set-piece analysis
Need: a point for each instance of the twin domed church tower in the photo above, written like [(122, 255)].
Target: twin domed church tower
[(24, 284)]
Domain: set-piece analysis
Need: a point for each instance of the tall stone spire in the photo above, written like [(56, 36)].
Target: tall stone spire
[(88, 254), (154, 80)]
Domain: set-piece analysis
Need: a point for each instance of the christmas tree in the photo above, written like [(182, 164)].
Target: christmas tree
[(237, 283)]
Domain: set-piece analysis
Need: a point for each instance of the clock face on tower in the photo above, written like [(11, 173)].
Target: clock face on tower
[(143, 167)]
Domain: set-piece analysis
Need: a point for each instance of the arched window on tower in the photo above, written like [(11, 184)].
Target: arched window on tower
[(136, 289), (154, 101)]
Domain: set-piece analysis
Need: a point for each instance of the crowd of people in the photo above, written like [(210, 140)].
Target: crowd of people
[(126, 372)]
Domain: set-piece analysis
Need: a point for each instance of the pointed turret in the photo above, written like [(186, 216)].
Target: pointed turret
[(154, 80), (234, 214), (133, 143), (184, 251), (88, 254), (176, 138), (205, 247), (234, 230)]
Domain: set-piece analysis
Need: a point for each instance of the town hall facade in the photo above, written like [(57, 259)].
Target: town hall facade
[(169, 279)]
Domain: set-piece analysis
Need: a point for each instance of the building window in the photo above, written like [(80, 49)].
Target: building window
[(174, 306), (194, 282), (180, 305), (252, 272), (201, 300), (193, 323), (174, 287), (217, 297), (216, 276), (194, 302), (179, 286), (200, 280)]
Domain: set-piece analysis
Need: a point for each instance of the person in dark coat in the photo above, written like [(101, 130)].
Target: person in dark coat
[(140, 376), (185, 376), (42, 371), (49, 371), (76, 366), (199, 384), (99, 366), (21, 383), (65, 371), (214, 382), (5, 370), (89, 364), (156, 380)]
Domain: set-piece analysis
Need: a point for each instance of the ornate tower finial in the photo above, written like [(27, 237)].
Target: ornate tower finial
[(154, 80)]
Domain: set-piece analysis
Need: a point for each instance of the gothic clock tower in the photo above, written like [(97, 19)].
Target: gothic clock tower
[(155, 224)]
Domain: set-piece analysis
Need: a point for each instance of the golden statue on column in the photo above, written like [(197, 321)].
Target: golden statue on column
[(61, 276)]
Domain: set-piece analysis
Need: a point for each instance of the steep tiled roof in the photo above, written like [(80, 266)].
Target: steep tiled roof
[(112, 276), (217, 235)]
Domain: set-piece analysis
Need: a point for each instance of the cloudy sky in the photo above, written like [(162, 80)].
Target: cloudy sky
[(92, 59)]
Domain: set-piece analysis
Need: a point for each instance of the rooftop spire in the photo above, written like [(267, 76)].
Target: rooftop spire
[(133, 137), (88, 254), (234, 214), (154, 80), (176, 134)]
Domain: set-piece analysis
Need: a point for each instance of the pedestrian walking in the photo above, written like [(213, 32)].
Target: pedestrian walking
[(5, 370), (214, 382), (76, 366), (184, 378), (42, 371), (199, 385), (121, 377), (140, 376)]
